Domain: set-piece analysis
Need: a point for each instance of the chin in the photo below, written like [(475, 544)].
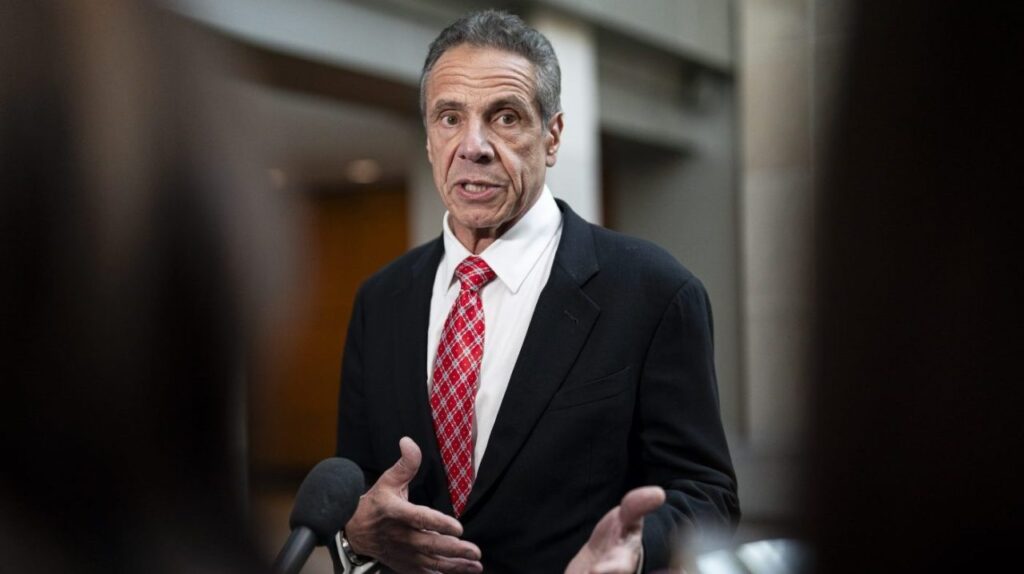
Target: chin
[(479, 223)]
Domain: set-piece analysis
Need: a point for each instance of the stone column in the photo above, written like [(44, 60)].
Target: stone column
[(576, 176)]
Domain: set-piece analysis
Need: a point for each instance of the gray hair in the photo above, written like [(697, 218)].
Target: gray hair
[(508, 32)]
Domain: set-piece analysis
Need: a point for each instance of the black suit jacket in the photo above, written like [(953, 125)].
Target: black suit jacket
[(614, 388)]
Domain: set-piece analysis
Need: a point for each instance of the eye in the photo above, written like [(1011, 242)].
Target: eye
[(507, 119), (449, 119)]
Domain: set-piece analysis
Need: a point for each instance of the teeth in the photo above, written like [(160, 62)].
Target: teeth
[(475, 187)]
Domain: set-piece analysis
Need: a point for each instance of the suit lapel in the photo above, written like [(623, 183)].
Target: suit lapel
[(411, 320), (560, 325)]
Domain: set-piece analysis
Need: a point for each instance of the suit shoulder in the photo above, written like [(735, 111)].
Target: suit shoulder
[(639, 259), (398, 272)]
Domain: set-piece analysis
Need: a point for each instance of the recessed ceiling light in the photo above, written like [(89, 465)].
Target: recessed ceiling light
[(278, 177), (363, 171)]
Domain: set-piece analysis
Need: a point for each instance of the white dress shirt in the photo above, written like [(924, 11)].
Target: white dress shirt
[(521, 258)]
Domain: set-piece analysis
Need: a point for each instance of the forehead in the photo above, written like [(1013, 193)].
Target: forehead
[(471, 72)]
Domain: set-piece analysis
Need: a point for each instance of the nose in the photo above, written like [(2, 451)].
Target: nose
[(475, 145)]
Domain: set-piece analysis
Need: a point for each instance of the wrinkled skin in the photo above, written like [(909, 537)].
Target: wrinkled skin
[(487, 142), (406, 537)]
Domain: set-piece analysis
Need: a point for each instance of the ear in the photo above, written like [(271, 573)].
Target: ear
[(553, 139), (430, 155)]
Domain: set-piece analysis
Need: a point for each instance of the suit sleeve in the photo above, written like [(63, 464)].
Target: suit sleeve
[(683, 446), (353, 418)]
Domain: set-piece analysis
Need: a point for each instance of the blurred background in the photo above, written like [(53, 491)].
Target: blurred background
[(692, 123)]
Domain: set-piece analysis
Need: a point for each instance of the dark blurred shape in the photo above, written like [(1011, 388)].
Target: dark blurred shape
[(130, 277), (917, 418)]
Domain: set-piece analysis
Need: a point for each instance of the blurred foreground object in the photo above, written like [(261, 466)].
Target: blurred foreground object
[(133, 276), (916, 418), (780, 556)]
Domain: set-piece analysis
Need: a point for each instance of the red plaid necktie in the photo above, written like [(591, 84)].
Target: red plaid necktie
[(455, 380)]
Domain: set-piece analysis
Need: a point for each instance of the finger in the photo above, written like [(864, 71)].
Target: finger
[(424, 518), (638, 503), (449, 565), (443, 546), (458, 566), (403, 471)]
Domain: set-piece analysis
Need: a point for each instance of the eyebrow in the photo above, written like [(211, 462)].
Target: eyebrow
[(505, 102), (509, 102), (441, 105)]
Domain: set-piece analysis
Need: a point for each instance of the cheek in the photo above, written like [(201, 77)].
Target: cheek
[(437, 149), (514, 168), (519, 158), (528, 161)]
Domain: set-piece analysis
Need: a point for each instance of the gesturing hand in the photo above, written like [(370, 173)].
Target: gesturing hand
[(406, 537), (614, 545)]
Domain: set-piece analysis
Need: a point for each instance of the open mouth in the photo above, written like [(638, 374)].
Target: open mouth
[(478, 187), (477, 190)]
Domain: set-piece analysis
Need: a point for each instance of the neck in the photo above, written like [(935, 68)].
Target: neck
[(476, 240)]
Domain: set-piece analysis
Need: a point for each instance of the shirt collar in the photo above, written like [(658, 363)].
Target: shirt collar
[(513, 255)]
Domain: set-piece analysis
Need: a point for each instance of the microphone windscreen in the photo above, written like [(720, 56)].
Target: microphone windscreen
[(328, 498)]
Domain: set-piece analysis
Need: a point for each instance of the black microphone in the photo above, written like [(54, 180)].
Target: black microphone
[(326, 500)]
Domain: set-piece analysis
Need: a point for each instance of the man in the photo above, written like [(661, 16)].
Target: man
[(527, 369)]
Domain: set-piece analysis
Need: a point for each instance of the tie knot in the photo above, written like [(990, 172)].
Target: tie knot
[(474, 273)]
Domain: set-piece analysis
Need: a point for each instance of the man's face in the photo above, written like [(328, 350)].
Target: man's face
[(486, 140)]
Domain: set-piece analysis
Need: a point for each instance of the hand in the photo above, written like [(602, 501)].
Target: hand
[(614, 545), (407, 537)]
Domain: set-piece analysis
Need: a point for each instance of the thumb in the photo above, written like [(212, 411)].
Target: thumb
[(402, 472), (639, 502)]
